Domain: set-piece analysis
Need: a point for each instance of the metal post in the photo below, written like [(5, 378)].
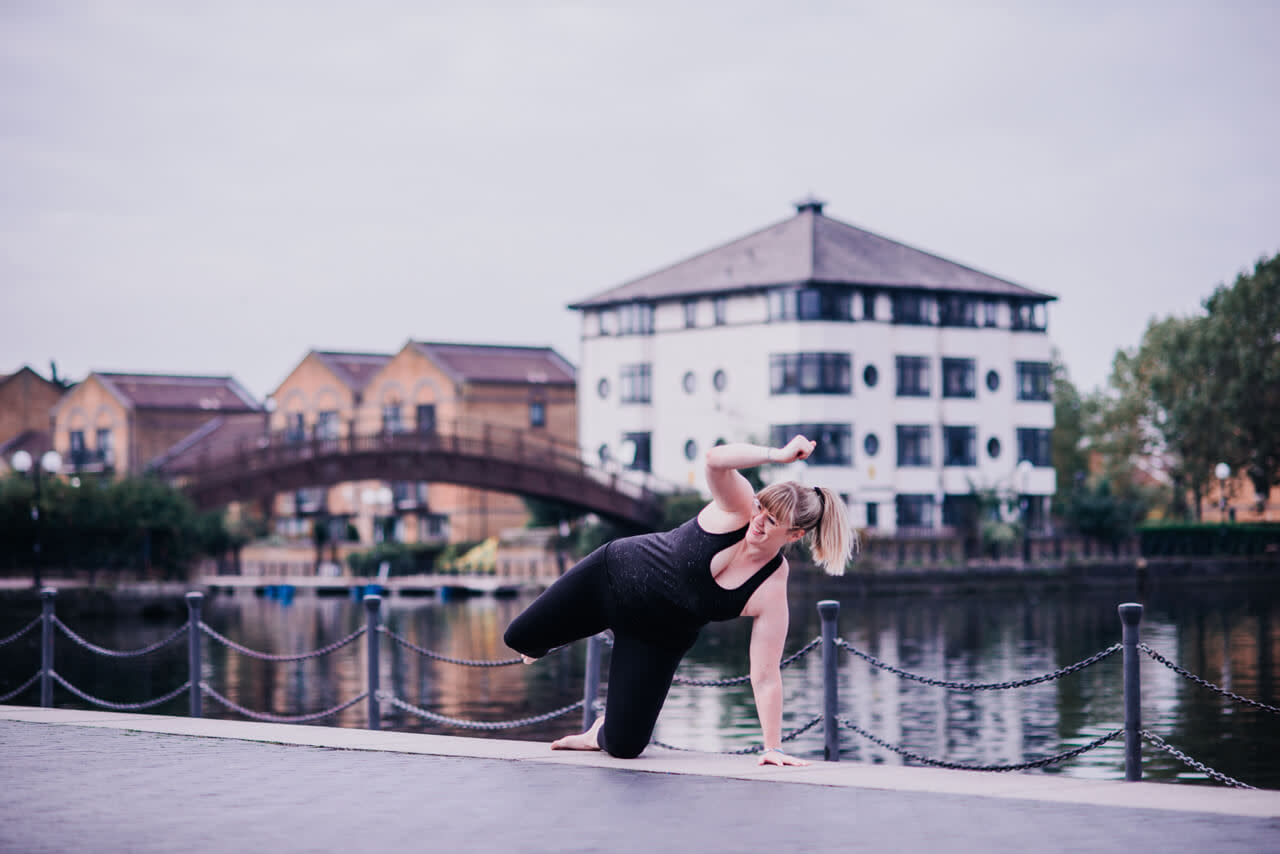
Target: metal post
[(591, 682), (46, 646), (195, 705), (372, 603), (828, 609), (1130, 617)]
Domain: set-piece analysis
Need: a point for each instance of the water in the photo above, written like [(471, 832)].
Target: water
[(1227, 634)]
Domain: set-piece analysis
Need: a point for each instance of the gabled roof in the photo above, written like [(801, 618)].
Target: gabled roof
[(494, 363), (219, 435), (809, 247), (165, 391), (353, 369), (27, 369)]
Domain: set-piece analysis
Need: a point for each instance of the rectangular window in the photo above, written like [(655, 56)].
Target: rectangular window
[(391, 420), (817, 302), (957, 310), (1028, 315), (326, 425), (433, 526), (425, 418), (641, 443), (310, 499), (958, 378), (913, 309), (537, 414), (608, 322), (873, 514), (960, 511), (913, 445), (868, 305), (690, 313), (913, 376), (408, 494), (914, 511), (294, 427), (635, 383), (810, 373), (1035, 444), (835, 441), (106, 453), (989, 313), (959, 446), (635, 318), (1034, 380), (720, 310)]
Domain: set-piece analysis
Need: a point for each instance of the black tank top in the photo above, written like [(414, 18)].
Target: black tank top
[(663, 581)]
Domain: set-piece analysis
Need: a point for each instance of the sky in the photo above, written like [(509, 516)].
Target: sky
[(217, 188)]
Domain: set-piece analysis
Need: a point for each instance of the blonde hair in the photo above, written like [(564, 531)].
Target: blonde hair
[(822, 515)]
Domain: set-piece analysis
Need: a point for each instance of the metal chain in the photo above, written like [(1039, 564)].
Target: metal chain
[(25, 685), (1021, 766), (20, 632), (478, 725), (114, 653), (980, 686), (280, 719), (758, 748), (1204, 682), (120, 707), (253, 653), (1199, 766), (738, 680), (465, 662)]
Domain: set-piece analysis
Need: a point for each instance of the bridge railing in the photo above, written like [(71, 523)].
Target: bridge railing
[(831, 645), (463, 437)]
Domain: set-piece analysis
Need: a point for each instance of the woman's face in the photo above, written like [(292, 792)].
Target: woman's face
[(767, 530)]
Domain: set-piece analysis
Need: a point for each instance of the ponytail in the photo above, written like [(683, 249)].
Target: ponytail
[(821, 513)]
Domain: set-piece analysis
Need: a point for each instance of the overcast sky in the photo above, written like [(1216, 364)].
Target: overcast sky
[(219, 187)]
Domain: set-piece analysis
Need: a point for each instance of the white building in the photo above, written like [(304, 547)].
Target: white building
[(920, 378)]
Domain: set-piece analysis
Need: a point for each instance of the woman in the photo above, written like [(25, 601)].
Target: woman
[(656, 591)]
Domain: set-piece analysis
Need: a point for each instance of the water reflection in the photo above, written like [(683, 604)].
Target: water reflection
[(1226, 635)]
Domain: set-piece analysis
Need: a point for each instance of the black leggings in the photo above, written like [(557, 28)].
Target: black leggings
[(578, 605)]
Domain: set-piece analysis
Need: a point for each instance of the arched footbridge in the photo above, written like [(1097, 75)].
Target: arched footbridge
[(485, 456)]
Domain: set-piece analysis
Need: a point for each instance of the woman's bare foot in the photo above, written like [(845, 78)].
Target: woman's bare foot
[(582, 741), (527, 659)]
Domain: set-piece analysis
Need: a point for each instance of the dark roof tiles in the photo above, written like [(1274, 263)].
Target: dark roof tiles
[(159, 391), (808, 247), (484, 363)]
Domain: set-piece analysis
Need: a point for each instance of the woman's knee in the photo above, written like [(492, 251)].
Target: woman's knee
[(519, 640), (621, 745)]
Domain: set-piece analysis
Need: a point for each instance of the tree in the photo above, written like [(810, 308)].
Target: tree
[(1070, 440), (1242, 330)]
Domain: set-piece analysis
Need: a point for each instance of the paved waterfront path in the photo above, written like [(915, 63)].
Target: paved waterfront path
[(88, 781)]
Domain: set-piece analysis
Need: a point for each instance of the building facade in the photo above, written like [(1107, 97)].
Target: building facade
[(120, 423), (425, 387), (922, 380), (26, 403)]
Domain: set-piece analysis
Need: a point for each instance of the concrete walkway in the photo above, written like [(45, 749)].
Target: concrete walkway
[(88, 781)]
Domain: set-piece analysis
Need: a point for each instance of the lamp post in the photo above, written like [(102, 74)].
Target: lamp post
[(50, 462), (1024, 500), (1222, 471)]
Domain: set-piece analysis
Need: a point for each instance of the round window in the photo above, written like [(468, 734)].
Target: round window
[(719, 379), (993, 383), (871, 444), (690, 450), (993, 447), (604, 454), (602, 387), (870, 376), (688, 382), (721, 441)]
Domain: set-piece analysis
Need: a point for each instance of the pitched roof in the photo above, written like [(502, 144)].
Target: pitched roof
[(808, 247), (220, 435), (34, 442), (353, 369), (162, 391), (493, 363)]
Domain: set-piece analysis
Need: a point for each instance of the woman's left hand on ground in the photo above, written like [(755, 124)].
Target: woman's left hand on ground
[(777, 757)]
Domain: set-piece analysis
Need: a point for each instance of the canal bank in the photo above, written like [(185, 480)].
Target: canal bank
[(141, 783)]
